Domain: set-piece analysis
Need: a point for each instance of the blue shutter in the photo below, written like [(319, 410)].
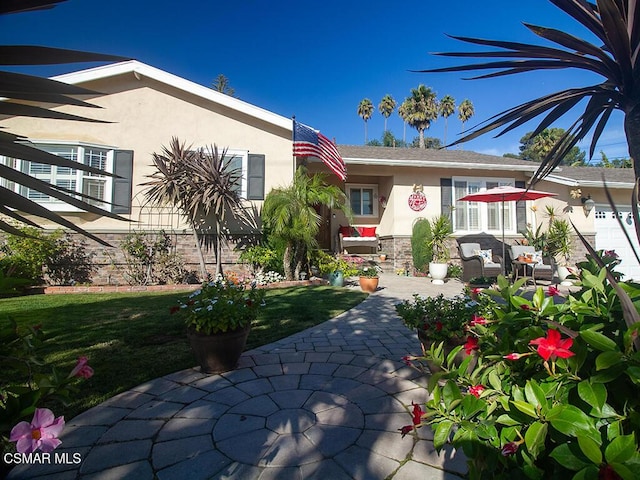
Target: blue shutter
[(123, 168), (255, 177)]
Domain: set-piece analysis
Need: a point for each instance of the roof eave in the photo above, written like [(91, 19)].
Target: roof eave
[(436, 163)]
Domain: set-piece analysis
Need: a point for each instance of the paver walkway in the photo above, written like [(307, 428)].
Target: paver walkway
[(325, 403)]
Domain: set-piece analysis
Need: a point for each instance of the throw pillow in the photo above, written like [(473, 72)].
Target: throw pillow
[(486, 255), (537, 257), (368, 231)]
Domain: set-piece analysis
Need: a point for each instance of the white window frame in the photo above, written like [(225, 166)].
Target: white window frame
[(483, 207), (79, 176), (244, 174), (364, 186)]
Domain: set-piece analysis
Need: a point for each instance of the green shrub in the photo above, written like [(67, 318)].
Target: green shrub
[(420, 240), (150, 260), (26, 256)]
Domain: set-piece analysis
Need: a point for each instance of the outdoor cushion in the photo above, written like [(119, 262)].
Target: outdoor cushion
[(368, 231), (467, 249), (486, 255), (349, 231)]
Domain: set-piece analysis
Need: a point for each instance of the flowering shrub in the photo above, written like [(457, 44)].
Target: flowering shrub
[(438, 318), (28, 382), (370, 271), (265, 278), (222, 305), (555, 390)]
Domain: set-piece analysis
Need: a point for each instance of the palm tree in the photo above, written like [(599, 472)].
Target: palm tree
[(616, 58), (288, 215), (422, 108), (365, 110), (465, 112), (221, 84), (447, 108), (403, 113), (22, 90), (386, 108), (202, 185)]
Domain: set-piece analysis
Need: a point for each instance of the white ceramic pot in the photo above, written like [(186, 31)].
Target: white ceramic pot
[(563, 273), (438, 272)]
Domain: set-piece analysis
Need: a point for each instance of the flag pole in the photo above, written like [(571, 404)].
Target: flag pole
[(293, 138)]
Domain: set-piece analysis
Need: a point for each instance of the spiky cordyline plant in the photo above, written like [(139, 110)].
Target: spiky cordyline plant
[(18, 87)]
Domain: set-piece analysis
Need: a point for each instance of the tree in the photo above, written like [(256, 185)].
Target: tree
[(289, 215), (447, 108), (616, 25), (386, 108), (422, 109), (365, 111), (465, 112), (403, 113), (202, 185), (21, 88), (388, 139), (429, 142), (221, 84), (536, 148), (615, 163)]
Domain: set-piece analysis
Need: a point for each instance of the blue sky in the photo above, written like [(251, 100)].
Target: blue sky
[(318, 60)]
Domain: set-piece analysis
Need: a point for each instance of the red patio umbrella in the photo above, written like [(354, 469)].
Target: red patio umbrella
[(503, 194)]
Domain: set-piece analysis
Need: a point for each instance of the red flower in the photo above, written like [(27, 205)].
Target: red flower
[(438, 326), (174, 309), (471, 345), (475, 292), (417, 414), (525, 307), (553, 346), (406, 429), (510, 448), (476, 390), (553, 291), (477, 320), (407, 360), (607, 472)]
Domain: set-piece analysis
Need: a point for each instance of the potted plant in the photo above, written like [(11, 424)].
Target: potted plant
[(437, 243), (560, 247), (441, 324), (336, 268), (368, 278), (218, 317)]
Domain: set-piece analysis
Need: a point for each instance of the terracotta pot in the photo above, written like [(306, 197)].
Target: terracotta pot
[(219, 352), (369, 284)]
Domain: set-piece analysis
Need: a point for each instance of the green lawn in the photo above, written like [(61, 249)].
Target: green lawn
[(131, 338)]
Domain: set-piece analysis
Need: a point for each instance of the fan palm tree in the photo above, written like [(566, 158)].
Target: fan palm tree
[(386, 108), (24, 91), (365, 111), (288, 215), (202, 185), (403, 113), (447, 108), (221, 84), (465, 112), (422, 108), (616, 58)]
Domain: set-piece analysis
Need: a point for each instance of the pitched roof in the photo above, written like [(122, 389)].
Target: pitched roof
[(141, 69), (430, 157)]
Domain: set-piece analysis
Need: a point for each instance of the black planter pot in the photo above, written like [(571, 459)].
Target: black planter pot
[(219, 352)]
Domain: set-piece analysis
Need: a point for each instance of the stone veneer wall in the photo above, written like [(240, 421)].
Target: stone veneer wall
[(111, 265)]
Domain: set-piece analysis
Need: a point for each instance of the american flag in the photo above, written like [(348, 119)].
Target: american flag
[(309, 143)]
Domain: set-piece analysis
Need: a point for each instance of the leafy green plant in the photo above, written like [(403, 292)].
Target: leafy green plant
[(223, 305), (537, 239), (559, 240), (27, 253), (440, 232), (71, 262), (420, 239), (261, 258), (368, 270), (150, 260), (555, 392)]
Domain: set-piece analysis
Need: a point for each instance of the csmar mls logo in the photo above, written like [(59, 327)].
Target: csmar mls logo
[(43, 458)]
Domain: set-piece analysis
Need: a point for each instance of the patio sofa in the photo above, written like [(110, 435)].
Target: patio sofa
[(474, 263), (353, 236)]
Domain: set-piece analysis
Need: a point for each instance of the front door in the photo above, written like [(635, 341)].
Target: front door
[(324, 235)]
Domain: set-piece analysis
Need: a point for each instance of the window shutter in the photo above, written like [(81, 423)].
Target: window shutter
[(255, 177), (123, 168), (446, 197), (521, 210)]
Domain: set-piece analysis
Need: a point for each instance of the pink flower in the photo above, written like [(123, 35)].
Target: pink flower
[(610, 253), (471, 345), (476, 390), (513, 356), (553, 346), (475, 292), (477, 320), (41, 434), (553, 291), (510, 448), (81, 369)]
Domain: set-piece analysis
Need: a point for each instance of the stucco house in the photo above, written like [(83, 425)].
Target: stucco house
[(389, 188)]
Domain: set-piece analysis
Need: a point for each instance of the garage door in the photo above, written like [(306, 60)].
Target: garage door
[(610, 237)]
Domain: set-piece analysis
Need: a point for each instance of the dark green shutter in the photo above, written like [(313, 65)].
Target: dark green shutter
[(255, 177), (521, 210), (123, 168), (446, 197)]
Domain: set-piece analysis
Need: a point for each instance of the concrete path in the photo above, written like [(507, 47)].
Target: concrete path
[(325, 403)]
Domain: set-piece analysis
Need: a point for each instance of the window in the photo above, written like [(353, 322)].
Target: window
[(480, 216), (363, 200), (88, 183)]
